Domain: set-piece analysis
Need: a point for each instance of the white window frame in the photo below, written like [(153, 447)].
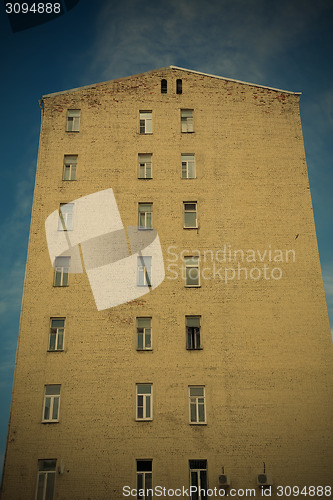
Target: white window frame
[(146, 481), (66, 215), (73, 120), (188, 166), (63, 270), (144, 264), (193, 338), (45, 475), (147, 216), (146, 332), (145, 122), (145, 163), (59, 333), (197, 402), (203, 487), (191, 265), (70, 166), (54, 399), (190, 211), (147, 401), (186, 120)]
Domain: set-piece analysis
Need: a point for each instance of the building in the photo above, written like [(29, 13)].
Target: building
[(218, 374)]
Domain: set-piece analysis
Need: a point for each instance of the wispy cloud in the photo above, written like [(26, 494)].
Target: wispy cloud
[(241, 39)]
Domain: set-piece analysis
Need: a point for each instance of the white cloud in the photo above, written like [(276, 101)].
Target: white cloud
[(237, 39)]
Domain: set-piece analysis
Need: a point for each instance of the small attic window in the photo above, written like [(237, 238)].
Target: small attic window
[(179, 86), (164, 86)]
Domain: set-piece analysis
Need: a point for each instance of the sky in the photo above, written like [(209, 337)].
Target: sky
[(286, 45)]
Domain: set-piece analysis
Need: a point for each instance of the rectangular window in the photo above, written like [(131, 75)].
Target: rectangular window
[(70, 164), (193, 332), (144, 271), (192, 274), (190, 215), (146, 122), (51, 403), (57, 330), (187, 120), (145, 166), (143, 330), (197, 405), (198, 479), (144, 402), (61, 271), (144, 479), (46, 479), (188, 166), (65, 221), (73, 120), (145, 215)]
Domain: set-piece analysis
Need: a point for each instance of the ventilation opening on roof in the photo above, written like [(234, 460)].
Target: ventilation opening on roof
[(179, 86), (164, 86)]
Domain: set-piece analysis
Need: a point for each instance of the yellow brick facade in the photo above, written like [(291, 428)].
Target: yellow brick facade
[(266, 357)]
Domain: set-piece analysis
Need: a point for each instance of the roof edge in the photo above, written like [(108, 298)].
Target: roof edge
[(236, 81), (171, 67)]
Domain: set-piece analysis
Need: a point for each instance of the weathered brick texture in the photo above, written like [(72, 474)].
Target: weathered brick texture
[(266, 361)]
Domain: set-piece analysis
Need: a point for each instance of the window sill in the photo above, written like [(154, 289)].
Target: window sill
[(192, 227), (198, 423), (187, 132), (145, 228), (55, 350), (143, 419), (192, 286), (72, 131), (145, 133), (194, 348), (145, 178), (50, 421), (60, 286), (144, 350)]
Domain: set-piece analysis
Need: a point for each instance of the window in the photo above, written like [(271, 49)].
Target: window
[(192, 271), (65, 221), (144, 271), (186, 118), (190, 214), (193, 332), (57, 329), (188, 167), (144, 168), (145, 215), (144, 476), (51, 403), (197, 405), (144, 406), (143, 330), (73, 120), (198, 479), (70, 163), (61, 271), (146, 122), (46, 479), (179, 86), (164, 86)]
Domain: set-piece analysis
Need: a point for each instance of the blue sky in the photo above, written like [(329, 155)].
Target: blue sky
[(286, 44)]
